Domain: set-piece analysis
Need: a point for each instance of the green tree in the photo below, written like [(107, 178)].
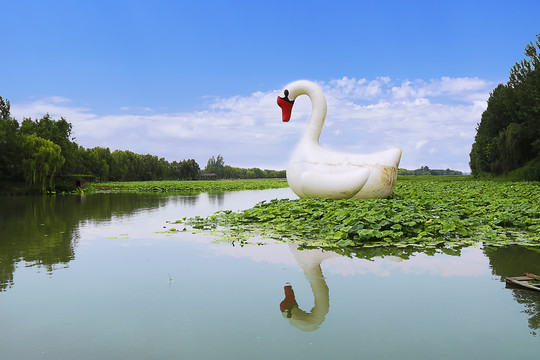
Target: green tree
[(508, 135), (189, 169), (41, 159), (9, 144), (216, 166), (97, 162), (57, 131), (119, 165)]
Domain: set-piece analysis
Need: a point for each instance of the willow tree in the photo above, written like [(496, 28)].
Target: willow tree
[(41, 159), (59, 132)]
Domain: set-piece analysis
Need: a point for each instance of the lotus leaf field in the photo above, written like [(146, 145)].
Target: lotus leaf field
[(448, 212), (187, 186)]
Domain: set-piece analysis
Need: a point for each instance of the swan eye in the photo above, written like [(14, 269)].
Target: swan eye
[(286, 93)]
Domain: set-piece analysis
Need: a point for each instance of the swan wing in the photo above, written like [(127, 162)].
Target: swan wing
[(342, 185)]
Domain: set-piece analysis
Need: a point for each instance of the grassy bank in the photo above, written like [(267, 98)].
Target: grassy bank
[(422, 212)]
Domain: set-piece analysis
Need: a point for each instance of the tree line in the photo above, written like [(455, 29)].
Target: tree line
[(43, 154), (217, 167), (508, 136), (425, 170)]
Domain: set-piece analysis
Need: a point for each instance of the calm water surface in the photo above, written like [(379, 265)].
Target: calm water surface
[(98, 277)]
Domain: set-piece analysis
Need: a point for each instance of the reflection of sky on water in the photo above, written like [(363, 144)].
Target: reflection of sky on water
[(471, 262)]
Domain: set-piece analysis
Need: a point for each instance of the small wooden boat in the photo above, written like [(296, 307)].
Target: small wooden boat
[(528, 280)]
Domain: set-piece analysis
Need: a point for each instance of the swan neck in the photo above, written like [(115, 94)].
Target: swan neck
[(318, 114)]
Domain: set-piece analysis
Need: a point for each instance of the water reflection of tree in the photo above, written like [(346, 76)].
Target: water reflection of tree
[(217, 198), (43, 231), (37, 230), (403, 252), (514, 261)]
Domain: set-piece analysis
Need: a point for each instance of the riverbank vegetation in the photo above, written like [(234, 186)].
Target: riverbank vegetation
[(425, 170), (216, 166), (421, 212), (187, 186), (42, 155), (507, 141)]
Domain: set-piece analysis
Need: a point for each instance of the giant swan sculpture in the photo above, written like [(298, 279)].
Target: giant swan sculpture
[(317, 172)]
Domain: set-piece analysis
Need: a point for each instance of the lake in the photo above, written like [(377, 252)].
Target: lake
[(101, 277)]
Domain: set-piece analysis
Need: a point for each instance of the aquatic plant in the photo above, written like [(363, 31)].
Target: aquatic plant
[(421, 212), (187, 186)]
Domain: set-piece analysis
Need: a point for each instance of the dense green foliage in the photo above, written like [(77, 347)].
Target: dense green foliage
[(9, 144), (508, 136), (188, 186), (421, 212), (42, 152), (41, 160)]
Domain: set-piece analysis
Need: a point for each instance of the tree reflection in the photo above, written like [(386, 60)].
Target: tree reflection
[(44, 230), (514, 261), (216, 198), (38, 230)]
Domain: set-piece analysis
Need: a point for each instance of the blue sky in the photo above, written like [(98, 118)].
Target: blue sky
[(193, 79)]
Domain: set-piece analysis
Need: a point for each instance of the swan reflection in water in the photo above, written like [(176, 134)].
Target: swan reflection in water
[(310, 262)]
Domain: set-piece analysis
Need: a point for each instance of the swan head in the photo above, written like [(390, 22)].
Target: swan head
[(286, 105), (291, 91), (289, 302)]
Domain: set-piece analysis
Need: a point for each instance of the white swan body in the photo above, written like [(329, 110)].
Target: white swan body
[(317, 172)]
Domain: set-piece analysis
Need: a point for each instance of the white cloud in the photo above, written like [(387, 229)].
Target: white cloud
[(363, 116), (355, 89), (420, 143)]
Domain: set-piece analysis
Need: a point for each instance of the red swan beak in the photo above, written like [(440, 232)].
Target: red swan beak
[(290, 301), (286, 106)]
